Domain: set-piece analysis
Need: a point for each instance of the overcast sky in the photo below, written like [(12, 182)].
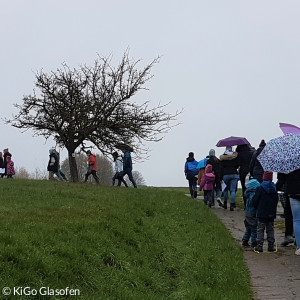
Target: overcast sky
[(233, 66)]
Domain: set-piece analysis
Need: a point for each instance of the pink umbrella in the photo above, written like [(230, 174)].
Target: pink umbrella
[(289, 128)]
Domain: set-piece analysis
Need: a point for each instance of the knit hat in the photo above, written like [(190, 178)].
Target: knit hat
[(262, 143), (212, 152), (268, 176), (253, 184)]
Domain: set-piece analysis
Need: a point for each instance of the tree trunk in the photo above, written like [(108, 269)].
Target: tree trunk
[(73, 166)]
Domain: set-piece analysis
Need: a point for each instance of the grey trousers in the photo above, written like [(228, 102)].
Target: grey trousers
[(269, 226)]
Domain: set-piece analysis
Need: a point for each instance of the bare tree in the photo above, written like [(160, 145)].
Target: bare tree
[(21, 173), (92, 104)]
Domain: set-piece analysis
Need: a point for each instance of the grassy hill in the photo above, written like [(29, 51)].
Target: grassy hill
[(115, 243)]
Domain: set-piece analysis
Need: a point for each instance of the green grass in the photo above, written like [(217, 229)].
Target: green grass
[(116, 243)]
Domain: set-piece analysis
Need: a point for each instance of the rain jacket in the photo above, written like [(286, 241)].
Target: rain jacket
[(127, 162), (190, 167), (208, 179), (10, 169), (93, 162), (265, 201)]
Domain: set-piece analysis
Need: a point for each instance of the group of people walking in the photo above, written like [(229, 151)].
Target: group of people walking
[(7, 166), (260, 195), (122, 167)]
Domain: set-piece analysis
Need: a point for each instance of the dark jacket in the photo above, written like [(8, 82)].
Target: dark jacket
[(53, 162), (293, 184), (229, 164), (265, 201), (1, 162), (216, 166), (255, 168), (245, 154), (127, 162)]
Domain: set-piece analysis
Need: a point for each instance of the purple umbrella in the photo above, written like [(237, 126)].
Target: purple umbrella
[(232, 141), (289, 128), (281, 154)]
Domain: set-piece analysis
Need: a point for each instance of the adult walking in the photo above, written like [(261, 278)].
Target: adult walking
[(53, 165), (127, 166), (256, 170), (190, 171), (293, 191), (288, 215), (229, 165), (119, 170), (216, 167), (245, 153), (92, 167)]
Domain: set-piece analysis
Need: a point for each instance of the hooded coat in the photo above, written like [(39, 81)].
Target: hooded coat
[(10, 169), (265, 201), (190, 167), (208, 179)]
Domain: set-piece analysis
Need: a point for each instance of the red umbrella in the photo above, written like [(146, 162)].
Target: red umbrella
[(232, 141)]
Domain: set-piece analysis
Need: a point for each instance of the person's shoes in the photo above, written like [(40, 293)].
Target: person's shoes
[(258, 249), (253, 244), (287, 241), (245, 243), (297, 252), (209, 205), (205, 202), (225, 205), (221, 204), (271, 248), (195, 194), (231, 207)]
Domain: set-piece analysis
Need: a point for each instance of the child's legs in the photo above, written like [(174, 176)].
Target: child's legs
[(253, 230), (270, 232), (247, 233), (209, 196), (260, 232)]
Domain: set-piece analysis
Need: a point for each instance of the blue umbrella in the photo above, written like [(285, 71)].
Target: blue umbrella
[(202, 163), (281, 154)]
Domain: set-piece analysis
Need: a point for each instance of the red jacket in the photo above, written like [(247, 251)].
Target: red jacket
[(208, 179), (92, 161)]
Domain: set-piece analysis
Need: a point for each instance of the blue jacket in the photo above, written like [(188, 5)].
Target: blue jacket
[(250, 210), (265, 201), (127, 162), (190, 167)]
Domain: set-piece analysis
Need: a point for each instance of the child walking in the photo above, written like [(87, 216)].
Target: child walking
[(10, 169), (207, 184), (265, 202), (250, 215)]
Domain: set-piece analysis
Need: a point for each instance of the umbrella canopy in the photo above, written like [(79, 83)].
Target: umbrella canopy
[(281, 154), (125, 147), (232, 141), (202, 163), (289, 128)]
